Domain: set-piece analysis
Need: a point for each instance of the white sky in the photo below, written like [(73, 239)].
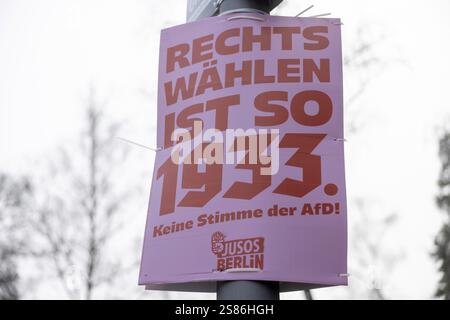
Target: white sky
[(51, 50)]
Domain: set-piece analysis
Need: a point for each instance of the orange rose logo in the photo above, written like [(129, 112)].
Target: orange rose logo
[(217, 242)]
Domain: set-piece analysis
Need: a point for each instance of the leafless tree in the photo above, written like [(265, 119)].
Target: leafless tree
[(441, 252), (79, 216), (363, 63), (14, 196), (375, 257)]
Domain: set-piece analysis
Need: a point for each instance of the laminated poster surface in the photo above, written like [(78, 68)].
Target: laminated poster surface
[(249, 182)]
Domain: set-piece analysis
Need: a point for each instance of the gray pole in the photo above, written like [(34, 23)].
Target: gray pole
[(260, 6), (246, 290)]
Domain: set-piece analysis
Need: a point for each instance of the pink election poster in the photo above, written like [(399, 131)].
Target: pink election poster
[(249, 179)]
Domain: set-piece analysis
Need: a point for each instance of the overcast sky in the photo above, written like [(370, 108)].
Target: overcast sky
[(52, 50)]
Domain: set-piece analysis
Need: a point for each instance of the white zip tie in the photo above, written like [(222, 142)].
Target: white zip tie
[(320, 15), (140, 145), (344, 275), (245, 17), (307, 9)]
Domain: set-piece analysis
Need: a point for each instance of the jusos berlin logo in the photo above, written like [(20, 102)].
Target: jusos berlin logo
[(237, 254)]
